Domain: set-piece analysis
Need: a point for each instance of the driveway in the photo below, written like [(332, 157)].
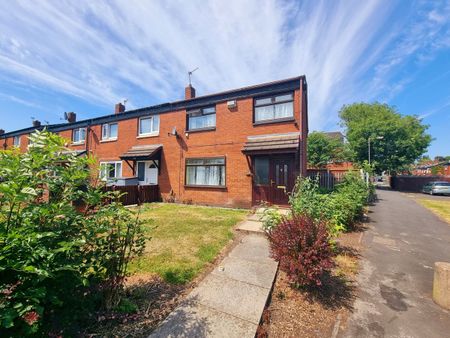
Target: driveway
[(396, 277)]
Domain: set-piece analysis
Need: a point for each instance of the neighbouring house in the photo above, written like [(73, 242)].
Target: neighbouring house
[(235, 148), (432, 168)]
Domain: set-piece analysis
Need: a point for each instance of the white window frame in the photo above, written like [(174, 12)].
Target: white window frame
[(118, 173), (16, 144), (154, 132), (80, 141), (205, 163), (108, 131)]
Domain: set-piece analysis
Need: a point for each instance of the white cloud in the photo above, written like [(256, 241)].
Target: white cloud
[(104, 51)]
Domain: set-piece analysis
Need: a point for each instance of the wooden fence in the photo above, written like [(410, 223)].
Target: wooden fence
[(414, 183), (137, 194), (327, 179)]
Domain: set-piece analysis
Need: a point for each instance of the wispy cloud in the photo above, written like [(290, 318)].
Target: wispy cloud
[(104, 51)]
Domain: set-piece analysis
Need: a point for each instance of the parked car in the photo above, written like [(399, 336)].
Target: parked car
[(434, 188)]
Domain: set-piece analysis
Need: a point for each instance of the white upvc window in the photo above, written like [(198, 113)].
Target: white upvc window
[(79, 135), (16, 141), (149, 125), (109, 131), (110, 170)]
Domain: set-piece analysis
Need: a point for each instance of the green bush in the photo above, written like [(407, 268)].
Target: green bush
[(63, 251), (271, 218), (340, 209)]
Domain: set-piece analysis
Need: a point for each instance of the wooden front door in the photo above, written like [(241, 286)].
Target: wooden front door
[(273, 179)]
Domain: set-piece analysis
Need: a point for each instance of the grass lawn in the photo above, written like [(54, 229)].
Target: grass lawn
[(184, 238), (439, 207)]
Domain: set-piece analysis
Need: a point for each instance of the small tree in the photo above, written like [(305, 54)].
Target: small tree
[(323, 149), (58, 260)]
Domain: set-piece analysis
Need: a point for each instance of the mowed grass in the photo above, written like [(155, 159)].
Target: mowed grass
[(439, 207), (184, 238)]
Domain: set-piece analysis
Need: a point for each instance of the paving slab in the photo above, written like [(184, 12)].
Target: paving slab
[(233, 297), (196, 320), (256, 273), (251, 226), (253, 248)]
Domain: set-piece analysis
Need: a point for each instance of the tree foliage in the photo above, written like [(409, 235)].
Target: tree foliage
[(404, 137), (323, 149), (63, 250)]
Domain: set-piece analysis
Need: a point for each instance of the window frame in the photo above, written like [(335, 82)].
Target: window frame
[(152, 133), (274, 103), (109, 138), (18, 141), (115, 163), (224, 165), (201, 110), (73, 135)]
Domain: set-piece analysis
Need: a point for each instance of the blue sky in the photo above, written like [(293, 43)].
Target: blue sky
[(85, 56)]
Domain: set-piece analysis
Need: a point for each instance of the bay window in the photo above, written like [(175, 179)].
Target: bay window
[(205, 172), (201, 118), (109, 131), (279, 107)]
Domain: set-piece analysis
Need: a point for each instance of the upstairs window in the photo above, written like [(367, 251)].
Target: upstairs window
[(149, 125), (205, 172), (16, 141), (110, 170), (109, 131), (79, 135), (280, 107), (202, 118)]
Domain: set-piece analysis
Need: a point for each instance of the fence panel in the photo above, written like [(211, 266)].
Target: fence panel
[(414, 183), (137, 194), (327, 180)]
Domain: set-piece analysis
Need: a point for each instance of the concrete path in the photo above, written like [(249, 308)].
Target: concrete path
[(396, 277), (229, 302)]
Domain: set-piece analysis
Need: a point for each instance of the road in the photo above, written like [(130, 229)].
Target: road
[(396, 277)]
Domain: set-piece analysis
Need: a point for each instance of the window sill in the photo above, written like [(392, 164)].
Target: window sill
[(77, 143), (206, 186), (148, 135), (287, 120), (108, 140), (200, 130)]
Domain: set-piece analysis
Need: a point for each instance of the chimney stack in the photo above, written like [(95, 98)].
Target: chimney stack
[(2, 131), (189, 92), (119, 108), (71, 117), (36, 123)]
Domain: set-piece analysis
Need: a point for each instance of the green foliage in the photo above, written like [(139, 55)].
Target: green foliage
[(404, 136), (339, 209), (271, 218), (323, 149), (437, 170), (63, 252)]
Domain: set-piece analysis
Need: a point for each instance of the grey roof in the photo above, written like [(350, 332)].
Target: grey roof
[(288, 142)]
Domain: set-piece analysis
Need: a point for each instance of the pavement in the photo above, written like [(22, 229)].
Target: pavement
[(229, 301), (396, 277)]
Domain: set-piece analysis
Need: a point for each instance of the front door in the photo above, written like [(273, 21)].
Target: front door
[(147, 172), (273, 179)]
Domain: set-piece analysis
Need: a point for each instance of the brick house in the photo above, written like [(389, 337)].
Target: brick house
[(235, 148)]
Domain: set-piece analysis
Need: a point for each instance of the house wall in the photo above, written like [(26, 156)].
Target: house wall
[(232, 129)]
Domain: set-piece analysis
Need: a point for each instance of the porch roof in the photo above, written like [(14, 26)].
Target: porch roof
[(272, 143), (146, 152)]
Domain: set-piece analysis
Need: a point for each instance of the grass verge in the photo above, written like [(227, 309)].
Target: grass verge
[(439, 207), (184, 238)]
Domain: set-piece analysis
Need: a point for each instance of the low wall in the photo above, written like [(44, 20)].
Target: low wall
[(414, 183)]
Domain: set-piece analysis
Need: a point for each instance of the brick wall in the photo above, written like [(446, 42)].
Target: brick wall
[(232, 129)]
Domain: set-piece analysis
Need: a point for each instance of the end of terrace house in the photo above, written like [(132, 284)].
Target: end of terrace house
[(235, 148)]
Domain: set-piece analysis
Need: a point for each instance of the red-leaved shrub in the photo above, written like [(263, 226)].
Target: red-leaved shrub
[(302, 247)]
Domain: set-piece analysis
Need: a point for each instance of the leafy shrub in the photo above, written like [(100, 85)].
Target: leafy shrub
[(302, 247), (63, 251), (271, 218)]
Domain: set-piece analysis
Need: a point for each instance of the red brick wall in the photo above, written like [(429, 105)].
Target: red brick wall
[(232, 129)]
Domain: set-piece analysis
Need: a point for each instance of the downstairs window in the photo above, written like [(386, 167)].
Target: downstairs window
[(205, 172)]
